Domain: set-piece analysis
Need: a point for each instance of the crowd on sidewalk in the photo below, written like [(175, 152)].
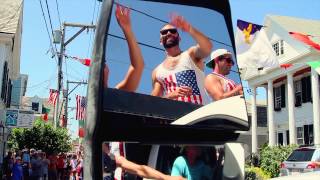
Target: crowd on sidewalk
[(31, 164)]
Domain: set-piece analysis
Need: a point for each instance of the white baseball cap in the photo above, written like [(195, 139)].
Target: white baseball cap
[(215, 54)]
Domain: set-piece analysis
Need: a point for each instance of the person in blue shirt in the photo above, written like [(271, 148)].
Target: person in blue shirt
[(17, 172), (190, 166)]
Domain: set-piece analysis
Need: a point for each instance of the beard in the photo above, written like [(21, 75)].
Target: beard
[(173, 42)]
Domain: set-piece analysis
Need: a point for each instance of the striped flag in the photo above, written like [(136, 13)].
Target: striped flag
[(184, 78), (81, 107), (53, 96)]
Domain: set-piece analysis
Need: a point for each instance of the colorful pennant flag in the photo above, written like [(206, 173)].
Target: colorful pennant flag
[(81, 128), (53, 97), (81, 132), (45, 112), (81, 107), (315, 65), (306, 39)]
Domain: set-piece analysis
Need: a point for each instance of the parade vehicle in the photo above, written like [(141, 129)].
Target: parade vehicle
[(136, 119)]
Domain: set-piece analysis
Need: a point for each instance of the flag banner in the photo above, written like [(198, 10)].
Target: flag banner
[(45, 110), (315, 65), (260, 55), (305, 39), (81, 123), (81, 107), (53, 96), (81, 132), (246, 33)]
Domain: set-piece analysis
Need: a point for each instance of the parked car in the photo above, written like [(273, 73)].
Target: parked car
[(302, 176), (301, 160)]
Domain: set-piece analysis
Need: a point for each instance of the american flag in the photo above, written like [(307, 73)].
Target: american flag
[(81, 107), (184, 78), (53, 96)]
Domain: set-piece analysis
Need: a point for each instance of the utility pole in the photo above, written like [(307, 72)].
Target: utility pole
[(67, 96), (63, 44)]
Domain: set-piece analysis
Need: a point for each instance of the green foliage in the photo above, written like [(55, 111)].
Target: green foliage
[(41, 136), (253, 173), (271, 158)]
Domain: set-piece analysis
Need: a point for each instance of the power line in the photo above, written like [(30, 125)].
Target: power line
[(143, 44), (45, 21), (57, 6), (50, 23), (166, 22)]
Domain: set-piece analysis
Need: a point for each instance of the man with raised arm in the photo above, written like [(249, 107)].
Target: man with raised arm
[(180, 76), (133, 76)]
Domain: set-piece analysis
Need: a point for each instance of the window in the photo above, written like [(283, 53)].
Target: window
[(298, 93), (278, 47), (35, 106), (301, 155), (300, 139), (279, 97)]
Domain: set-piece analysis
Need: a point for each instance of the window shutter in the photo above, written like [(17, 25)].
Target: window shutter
[(308, 89), (283, 95), (9, 93), (274, 99), (304, 90), (4, 81)]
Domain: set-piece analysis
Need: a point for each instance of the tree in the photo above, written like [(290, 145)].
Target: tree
[(42, 136)]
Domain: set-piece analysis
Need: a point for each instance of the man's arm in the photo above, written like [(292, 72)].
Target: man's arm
[(215, 89), (142, 170), (133, 76), (204, 45)]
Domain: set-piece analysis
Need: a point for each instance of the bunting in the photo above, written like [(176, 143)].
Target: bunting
[(313, 64), (81, 128), (305, 39)]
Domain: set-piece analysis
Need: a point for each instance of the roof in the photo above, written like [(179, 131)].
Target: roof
[(9, 15), (304, 26)]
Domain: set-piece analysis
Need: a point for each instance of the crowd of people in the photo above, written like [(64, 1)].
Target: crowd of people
[(31, 164)]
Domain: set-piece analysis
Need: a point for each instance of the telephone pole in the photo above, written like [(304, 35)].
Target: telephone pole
[(63, 45), (67, 96)]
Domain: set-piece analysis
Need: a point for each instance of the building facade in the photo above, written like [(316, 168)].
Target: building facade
[(11, 12), (292, 92)]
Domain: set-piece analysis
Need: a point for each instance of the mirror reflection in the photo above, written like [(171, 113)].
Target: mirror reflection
[(175, 52), (179, 161)]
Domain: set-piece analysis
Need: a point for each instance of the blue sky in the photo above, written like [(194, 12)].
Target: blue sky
[(36, 60)]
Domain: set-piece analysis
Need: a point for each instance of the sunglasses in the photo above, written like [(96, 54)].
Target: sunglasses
[(228, 59), (165, 31)]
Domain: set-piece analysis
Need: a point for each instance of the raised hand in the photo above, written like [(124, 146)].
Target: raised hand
[(123, 17), (179, 22)]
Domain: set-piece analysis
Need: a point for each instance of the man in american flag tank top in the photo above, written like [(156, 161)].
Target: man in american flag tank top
[(217, 84), (180, 76)]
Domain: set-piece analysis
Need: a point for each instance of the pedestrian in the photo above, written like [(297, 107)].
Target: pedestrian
[(7, 166), (17, 171)]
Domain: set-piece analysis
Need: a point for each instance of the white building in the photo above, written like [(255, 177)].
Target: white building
[(292, 93), (10, 45)]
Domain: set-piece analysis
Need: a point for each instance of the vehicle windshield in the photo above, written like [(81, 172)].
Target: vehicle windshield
[(301, 155)]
